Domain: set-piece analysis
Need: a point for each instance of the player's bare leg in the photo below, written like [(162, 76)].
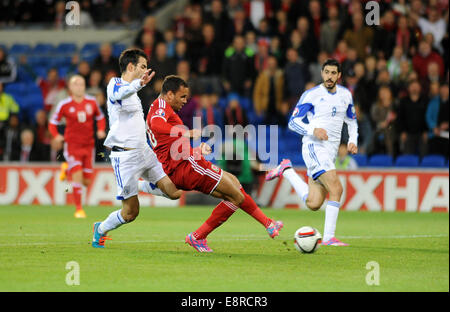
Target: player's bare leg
[(166, 185), (77, 186), (333, 185), (128, 213), (316, 196), (234, 196), (130, 209)]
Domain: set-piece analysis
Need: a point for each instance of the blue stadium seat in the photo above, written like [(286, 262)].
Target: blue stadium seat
[(59, 60), (41, 71), (379, 160), (43, 48), (66, 48), (37, 60), (117, 48), (407, 161), (20, 48), (433, 161), (63, 71), (33, 89), (15, 88), (360, 159), (90, 46), (23, 75), (89, 52)]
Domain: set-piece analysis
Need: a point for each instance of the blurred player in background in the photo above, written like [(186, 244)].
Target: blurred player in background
[(80, 111), (319, 117), (189, 170), (131, 156)]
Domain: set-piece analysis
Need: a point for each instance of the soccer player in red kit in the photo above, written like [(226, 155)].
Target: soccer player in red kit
[(188, 169), (80, 111)]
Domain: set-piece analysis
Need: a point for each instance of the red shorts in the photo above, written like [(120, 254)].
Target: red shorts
[(199, 175), (79, 157)]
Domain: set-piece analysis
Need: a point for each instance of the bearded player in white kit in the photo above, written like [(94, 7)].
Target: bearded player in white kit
[(319, 116), (131, 156)]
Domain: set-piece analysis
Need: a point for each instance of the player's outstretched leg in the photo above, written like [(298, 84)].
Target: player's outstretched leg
[(150, 188), (231, 189), (219, 215), (285, 169), (129, 212), (249, 206), (278, 171), (163, 187), (98, 241)]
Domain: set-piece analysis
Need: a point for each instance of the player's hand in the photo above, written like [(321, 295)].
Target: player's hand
[(148, 75), (321, 134), (205, 148), (352, 148), (101, 134)]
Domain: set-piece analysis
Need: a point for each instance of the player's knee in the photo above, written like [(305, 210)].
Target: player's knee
[(175, 195), (312, 204), (238, 199)]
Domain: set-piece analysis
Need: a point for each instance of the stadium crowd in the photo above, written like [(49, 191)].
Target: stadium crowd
[(248, 62)]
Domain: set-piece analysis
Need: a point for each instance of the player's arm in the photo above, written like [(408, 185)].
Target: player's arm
[(101, 122), (54, 122), (304, 108), (122, 91), (352, 126)]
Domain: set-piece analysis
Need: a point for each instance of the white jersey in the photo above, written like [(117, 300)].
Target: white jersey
[(128, 130), (319, 108), (126, 116)]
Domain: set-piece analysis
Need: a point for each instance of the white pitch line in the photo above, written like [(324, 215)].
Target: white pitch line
[(395, 236), (235, 238)]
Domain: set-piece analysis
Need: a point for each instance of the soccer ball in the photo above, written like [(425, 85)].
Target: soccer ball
[(307, 239)]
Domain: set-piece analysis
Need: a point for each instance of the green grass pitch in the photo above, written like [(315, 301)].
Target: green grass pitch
[(36, 243)]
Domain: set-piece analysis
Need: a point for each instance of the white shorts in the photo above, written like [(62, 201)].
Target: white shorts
[(319, 158), (131, 165)]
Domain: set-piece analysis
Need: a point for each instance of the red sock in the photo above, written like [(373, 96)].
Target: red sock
[(219, 215), (77, 192), (250, 207)]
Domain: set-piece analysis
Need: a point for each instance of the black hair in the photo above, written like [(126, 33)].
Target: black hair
[(130, 56), (172, 83), (332, 62)]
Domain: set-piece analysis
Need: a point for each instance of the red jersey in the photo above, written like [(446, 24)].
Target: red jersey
[(161, 120), (79, 120)]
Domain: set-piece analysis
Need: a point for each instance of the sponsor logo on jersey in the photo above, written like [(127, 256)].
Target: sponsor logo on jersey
[(215, 168), (72, 110)]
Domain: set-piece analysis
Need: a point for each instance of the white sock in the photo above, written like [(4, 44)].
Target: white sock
[(113, 221), (331, 215), (144, 186), (297, 183)]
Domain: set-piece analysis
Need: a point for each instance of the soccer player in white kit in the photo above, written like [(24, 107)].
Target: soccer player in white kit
[(131, 156), (319, 116)]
